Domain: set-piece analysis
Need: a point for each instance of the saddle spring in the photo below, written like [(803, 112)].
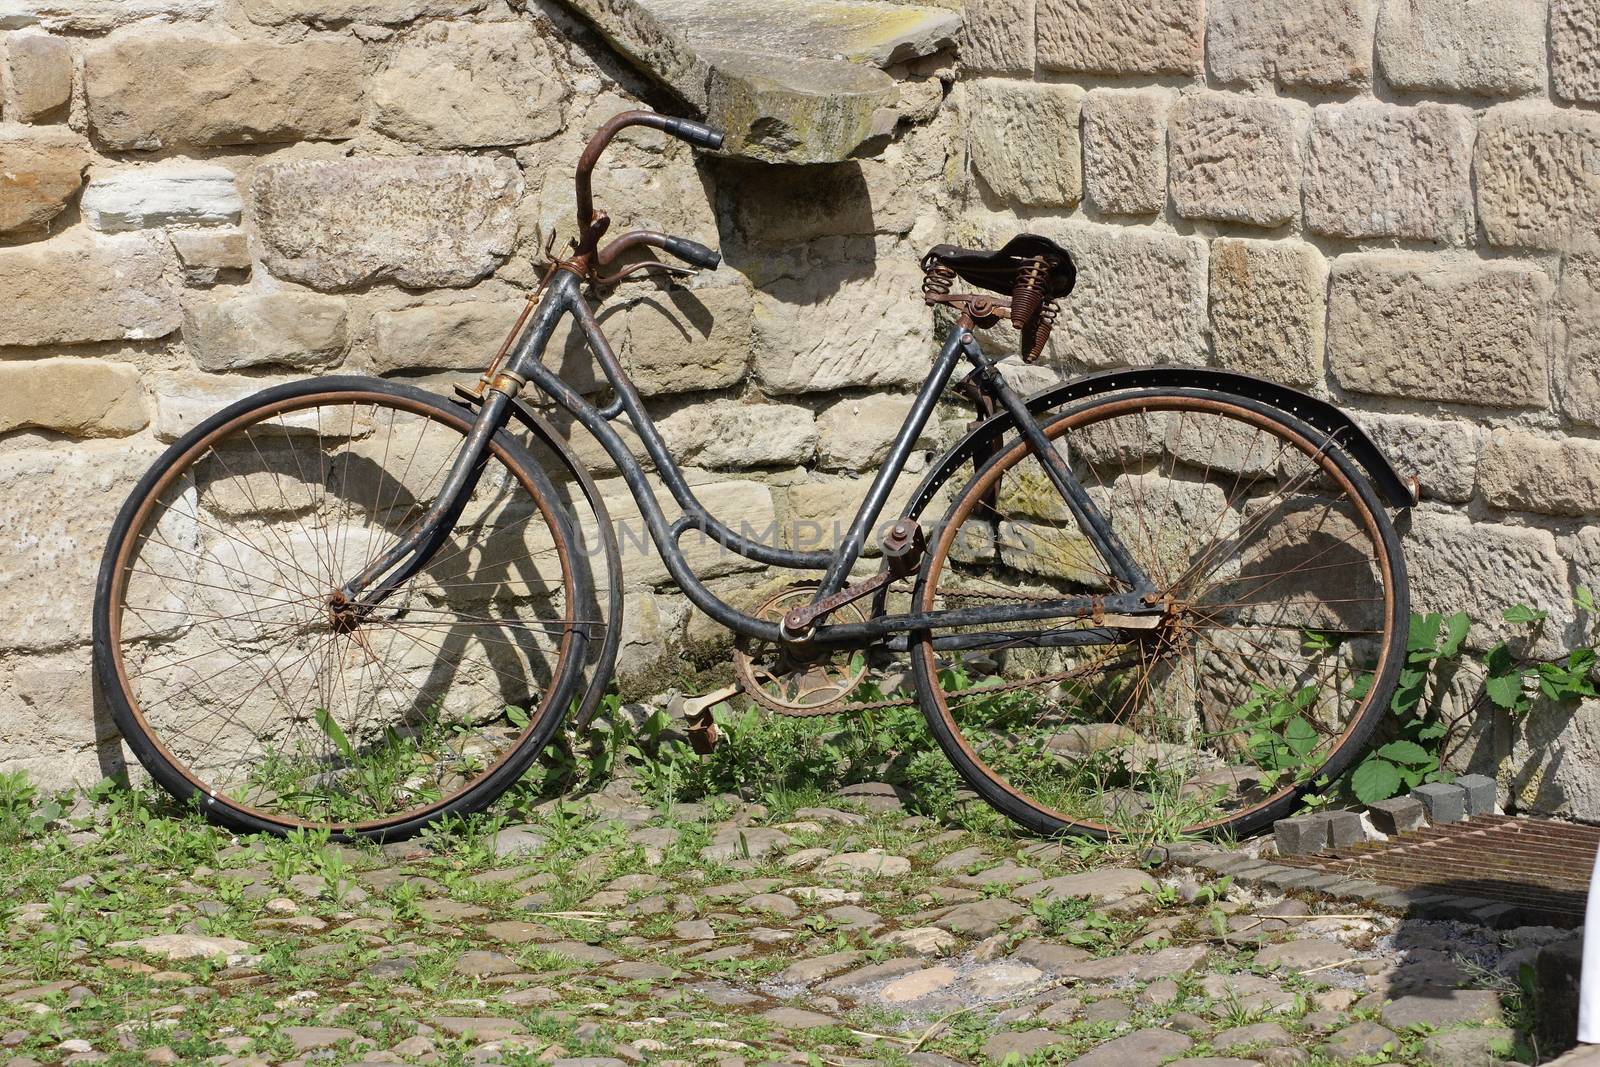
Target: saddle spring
[(1030, 312), (937, 280)]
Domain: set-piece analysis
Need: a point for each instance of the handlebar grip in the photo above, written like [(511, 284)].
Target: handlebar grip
[(696, 133), (693, 252)]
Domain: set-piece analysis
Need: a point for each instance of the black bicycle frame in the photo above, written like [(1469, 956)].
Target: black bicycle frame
[(524, 365)]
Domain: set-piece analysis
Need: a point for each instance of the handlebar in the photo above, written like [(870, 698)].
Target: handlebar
[(696, 133)]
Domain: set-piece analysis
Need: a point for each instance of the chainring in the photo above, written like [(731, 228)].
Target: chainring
[(790, 678)]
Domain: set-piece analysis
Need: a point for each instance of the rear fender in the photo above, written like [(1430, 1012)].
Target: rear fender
[(1395, 489)]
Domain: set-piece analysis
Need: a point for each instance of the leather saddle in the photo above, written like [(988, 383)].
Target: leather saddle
[(997, 271)]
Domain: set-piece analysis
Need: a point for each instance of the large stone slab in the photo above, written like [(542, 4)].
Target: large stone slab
[(162, 195), (150, 90), (1538, 182), (788, 80), (1576, 347), (1323, 44), (476, 86), (76, 290), (461, 336), (40, 173), (727, 434), (1411, 326), (1024, 141), (1486, 47), (1116, 37), (1443, 454), (419, 222), (683, 341), (1236, 158), (1530, 472), (1382, 171), (338, 12), (77, 397)]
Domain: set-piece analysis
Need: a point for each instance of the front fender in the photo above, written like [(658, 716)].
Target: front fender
[(1396, 490)]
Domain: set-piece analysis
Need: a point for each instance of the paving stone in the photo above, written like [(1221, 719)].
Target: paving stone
[(871, 974), (1481, 792), (1449, 1008), (1102, 885), (752, 842), (1398, 815), (1345, 829), (980, 918), (785, 1018), (1001, 979), (1476, 1046), (807, 971), (1141, 1047), (1302, 835), (918, 984), (1445, 803), (1251, 1035), (1303, 954), (1361, 1039), (1021, 1043), (865, 865), (1048, 956)]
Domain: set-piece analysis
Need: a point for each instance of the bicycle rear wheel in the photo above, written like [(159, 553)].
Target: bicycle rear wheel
[(236, 678), (1281, 640)]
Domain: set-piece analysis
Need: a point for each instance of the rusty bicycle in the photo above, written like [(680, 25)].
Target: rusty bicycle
[(352, 604)]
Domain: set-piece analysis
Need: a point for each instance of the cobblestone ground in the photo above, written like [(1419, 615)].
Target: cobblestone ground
[(613, 931)]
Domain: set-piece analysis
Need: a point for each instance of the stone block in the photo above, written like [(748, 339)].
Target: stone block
[(165, 194), (1418, 327), (340, 12), (1576, 345), (817, 514), (997, 37), (50, 726), (461, 336), (1529, 472), (1302, 835), (41, 172), (1345, 829), (1442, 454), (37, 74), (1538, 185), (81, 289), (730, 435), (855, 433), (1323, 44), (1113, 37), (45, 592), (1481, 792), (1398, 815), (688, 340), (184, 401), (301, 330), (151, 90), (1236, 158), (1381, 171), (1445, 803), (209, 256), (856, 332), (420, 222), (1452, 561), (1125, 150), (1485, 47), (472, 86), (99, 16), (1575, 49), (1268, 306), (1024, 141), (77, 397)]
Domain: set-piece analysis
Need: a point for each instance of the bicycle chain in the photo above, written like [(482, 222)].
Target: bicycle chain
[(860, 707)]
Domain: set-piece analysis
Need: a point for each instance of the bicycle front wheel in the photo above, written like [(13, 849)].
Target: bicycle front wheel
[(237, 679), (1280, 640)]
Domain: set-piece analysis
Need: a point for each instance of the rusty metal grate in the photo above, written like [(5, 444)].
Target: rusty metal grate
[(1539, 865)]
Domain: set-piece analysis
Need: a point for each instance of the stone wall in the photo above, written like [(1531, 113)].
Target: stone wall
[(1392, 203)]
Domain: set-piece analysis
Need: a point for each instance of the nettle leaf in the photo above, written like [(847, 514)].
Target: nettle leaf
[(1300, 736), (1506, 690), (1408, 753), (1376, 779), (1521, 613)]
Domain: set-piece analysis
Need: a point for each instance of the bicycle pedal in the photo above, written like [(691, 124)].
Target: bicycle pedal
[(704, 736)]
